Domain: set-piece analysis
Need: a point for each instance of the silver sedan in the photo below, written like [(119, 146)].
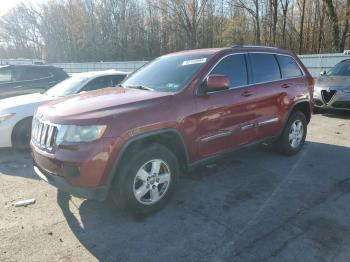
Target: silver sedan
[(332, 88)]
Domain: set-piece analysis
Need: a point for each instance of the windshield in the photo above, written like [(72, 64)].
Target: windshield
[(168, 73), (341, 69), (67, 87)]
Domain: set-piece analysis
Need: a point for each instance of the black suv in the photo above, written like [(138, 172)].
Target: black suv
[(25, 79)]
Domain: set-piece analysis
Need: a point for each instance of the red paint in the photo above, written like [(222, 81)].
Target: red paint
[(131, 112)]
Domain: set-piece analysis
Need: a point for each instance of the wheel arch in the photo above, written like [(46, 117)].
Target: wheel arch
[(303, 106), (28, 118), (171, 138)]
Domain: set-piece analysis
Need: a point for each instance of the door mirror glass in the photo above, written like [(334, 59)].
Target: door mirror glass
[(217, 83), (323, 73)]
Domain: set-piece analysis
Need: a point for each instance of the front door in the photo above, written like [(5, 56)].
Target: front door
[(225, 118)]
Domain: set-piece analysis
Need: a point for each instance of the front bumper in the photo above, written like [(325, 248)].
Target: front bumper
[(98, 193), (324, 99), (82, 170)]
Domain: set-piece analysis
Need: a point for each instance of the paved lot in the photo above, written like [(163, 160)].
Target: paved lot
[(252, 206)]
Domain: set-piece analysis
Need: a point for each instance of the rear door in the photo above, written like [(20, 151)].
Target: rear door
[(270, 103), (31, 79)]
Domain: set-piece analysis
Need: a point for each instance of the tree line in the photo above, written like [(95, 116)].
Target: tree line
[(117, 30)]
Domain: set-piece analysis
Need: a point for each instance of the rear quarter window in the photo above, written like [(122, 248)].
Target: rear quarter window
[(289, 68), (264, 68)]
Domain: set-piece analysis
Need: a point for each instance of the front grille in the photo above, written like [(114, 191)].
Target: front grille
[(44, 134), (327, 95)]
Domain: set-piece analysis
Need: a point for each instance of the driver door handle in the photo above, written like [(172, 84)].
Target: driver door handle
[(285, 85), (247, 93)]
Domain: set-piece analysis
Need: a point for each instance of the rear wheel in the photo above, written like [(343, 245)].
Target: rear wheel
[(147, 180), (293, 136), (21, 134)]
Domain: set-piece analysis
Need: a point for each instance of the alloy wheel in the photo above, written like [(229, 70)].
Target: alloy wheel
[(296, 133), (151, 182)]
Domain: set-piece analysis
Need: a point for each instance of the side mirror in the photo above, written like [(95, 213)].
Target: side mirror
[(217, 83), (323, 73)]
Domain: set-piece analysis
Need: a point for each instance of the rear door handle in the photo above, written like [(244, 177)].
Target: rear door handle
[(247, 93), (285, 85)]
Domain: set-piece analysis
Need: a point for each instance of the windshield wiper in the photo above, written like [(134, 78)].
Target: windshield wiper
[(141, 87)]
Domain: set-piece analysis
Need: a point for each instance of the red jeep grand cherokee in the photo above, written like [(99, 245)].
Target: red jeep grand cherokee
[(174, 113)]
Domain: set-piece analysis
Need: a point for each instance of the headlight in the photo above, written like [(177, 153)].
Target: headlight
[(5, 117), (77, 134)]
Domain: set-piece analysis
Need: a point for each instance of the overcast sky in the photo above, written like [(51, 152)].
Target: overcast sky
[(6, 5)]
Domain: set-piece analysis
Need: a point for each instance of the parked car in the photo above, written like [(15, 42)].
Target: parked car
[(16, 113), (332, 88), (175, 113), (18, 80)]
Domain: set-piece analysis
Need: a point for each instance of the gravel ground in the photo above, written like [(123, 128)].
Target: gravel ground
[(252, 206)]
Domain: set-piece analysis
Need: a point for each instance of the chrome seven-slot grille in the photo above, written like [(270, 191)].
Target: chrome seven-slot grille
[(44, 134)]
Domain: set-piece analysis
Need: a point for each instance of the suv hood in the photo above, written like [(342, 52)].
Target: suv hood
[(99, 104), (334, 82)]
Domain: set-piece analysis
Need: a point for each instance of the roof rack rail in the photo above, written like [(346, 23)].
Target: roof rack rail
[(253, 46)]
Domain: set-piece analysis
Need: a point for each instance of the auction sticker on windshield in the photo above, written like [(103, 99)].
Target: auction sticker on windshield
[(194, 61)]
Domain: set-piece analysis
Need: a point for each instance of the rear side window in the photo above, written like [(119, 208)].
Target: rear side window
[(289, 68), (264, 68), (235, 68), (5, 75), (26, 74)]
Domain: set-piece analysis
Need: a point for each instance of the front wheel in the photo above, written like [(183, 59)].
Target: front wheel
[(147, 180), (293, 137)]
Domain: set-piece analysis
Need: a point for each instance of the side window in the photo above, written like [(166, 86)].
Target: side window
[(264, 68), (25, 74), (116, 79), (235, 68), (289, 67), (98, 83), (5, 75)]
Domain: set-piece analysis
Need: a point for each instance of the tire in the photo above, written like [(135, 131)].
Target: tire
[(133, 192), (21, 134), (291, 141)]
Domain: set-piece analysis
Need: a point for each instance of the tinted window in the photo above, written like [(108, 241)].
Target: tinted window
[(264, 68), (289, 67), (25, 74), (67, 87), (117, 79), (340, 69), (98, 83), (5, 75), (234, 67)]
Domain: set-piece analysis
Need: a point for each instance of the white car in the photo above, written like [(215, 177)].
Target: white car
[(16, 112)]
